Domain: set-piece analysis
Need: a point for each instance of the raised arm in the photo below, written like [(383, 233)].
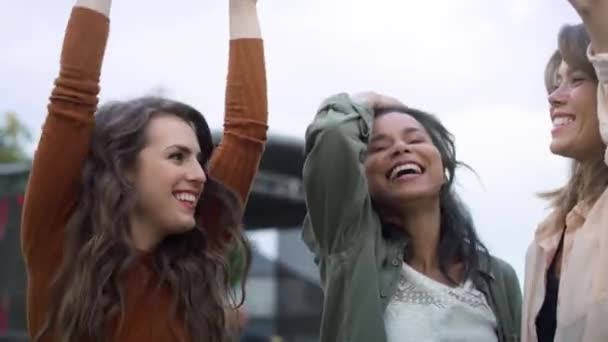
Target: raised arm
[(594, 14), (236, 160), (51, 194), (334, 178), (335, 183)]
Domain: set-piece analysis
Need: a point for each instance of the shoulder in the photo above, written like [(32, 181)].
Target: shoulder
[(499, 269)]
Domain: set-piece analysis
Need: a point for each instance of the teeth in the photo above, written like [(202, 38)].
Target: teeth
[(407, 166), (183, 196), (562, 121)]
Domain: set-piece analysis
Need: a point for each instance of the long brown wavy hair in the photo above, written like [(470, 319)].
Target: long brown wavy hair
[(99, 251), (587, 180)]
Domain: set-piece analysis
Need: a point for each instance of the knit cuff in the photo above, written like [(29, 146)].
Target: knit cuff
[(244, 21), (101, 6)]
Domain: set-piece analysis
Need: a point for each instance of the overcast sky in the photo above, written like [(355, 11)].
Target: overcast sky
[(477, 64)]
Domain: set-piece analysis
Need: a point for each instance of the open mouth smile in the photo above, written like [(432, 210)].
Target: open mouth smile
[(404, 171)]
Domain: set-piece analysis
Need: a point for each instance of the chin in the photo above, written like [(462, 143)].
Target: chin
[(416, 194), (184, 226), (560, 148)]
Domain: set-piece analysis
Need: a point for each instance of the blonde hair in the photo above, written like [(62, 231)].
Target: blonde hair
[(587, 180)]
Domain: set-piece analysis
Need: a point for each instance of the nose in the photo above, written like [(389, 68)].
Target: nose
[(559, 96), (196, 174), (399, 148)]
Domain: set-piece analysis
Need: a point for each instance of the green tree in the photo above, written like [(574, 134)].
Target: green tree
[(14, 136)]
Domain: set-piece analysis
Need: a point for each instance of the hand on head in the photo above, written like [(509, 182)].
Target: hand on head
[(375, 100), (594, 14)]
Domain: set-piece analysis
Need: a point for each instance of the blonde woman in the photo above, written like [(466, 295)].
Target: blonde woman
[(567, 262)]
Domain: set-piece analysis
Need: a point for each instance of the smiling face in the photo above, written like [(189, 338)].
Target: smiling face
[(402, 163), (169, 178), (573, 101)]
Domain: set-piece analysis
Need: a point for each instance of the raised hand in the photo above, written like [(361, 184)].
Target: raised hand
[(594, 14), (244, 21), (101, 6), (585, 6), (376, 101), (244, 2)]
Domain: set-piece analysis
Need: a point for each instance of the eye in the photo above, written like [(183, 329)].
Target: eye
[(377, 148), (578, 80), (557, 81), (416, 138), (552, 88), (177, 156)]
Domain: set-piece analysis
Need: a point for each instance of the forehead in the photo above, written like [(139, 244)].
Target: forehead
[(167, 130), (563, 69), (396, 122)]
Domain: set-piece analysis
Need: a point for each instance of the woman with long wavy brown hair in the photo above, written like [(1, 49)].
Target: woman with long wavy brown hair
[(129, 211), (566, 284)]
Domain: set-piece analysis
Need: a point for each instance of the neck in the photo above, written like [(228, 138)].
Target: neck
[(143, 236), (423, 225)]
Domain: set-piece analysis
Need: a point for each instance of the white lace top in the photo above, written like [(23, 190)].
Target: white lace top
[(424, 310)]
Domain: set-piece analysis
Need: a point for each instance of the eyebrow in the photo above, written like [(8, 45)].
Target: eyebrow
[(570, 72), (408, 130), (184, 149)]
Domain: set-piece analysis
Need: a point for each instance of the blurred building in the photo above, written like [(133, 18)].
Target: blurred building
[(13, 178), (283, 296)]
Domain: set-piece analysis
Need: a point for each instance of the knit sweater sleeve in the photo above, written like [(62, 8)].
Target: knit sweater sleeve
[(51, 194), (236, 160)]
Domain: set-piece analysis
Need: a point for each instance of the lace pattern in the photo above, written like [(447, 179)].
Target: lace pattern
[(409, 290)]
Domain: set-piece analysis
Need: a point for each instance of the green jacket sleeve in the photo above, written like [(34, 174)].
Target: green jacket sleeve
[(515, 297), (334, 178), (508, 299)]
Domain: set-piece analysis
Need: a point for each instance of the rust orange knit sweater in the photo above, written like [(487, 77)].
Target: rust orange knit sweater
[(52, 190)]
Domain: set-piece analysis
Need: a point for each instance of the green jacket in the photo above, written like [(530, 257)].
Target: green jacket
[(359, 268)]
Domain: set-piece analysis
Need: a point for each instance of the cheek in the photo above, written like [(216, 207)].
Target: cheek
[(589, 125), (435, 166), (584, 101), (436, 173), (371, 169), (431, 156), (373, 165), (154, 178), (375, 174)]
